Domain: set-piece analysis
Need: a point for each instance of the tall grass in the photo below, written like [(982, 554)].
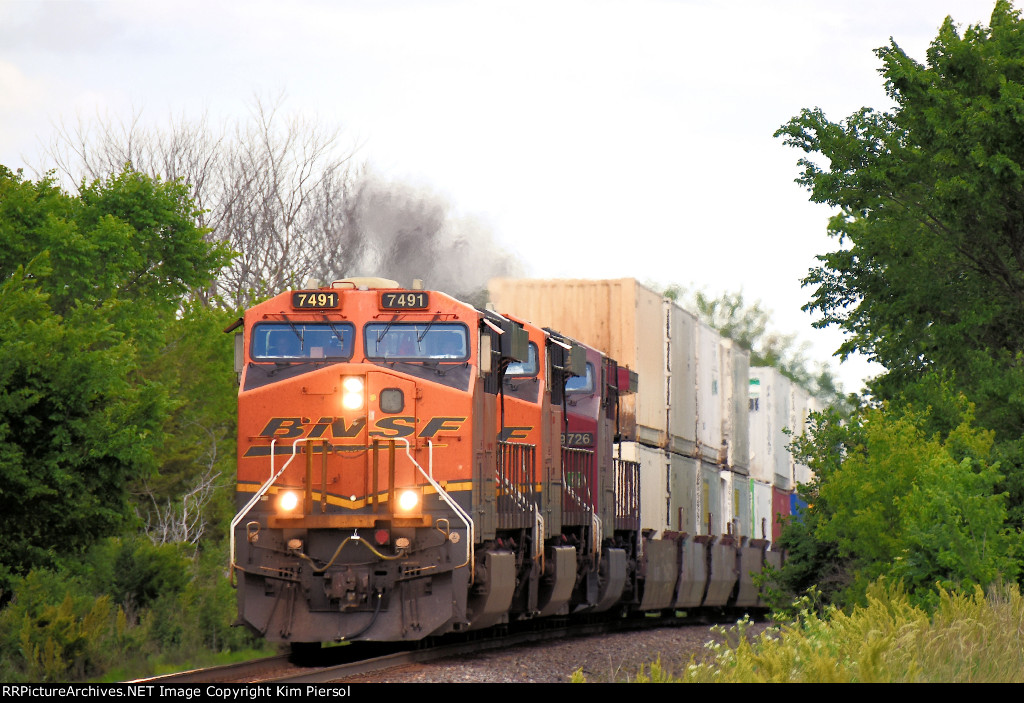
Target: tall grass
[(966, 638)]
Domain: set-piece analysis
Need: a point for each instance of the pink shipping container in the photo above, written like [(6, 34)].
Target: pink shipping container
[(780, 511)]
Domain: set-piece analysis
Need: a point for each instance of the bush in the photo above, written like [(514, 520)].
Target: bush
[(901, 492), (129, 604), (968, 638), (54, 630)]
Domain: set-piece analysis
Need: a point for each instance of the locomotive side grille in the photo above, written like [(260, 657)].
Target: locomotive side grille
[(578, 496), (516, 489), (627, 494)]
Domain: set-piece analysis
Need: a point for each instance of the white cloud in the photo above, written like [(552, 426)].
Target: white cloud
[(600, 137), (20, 94)]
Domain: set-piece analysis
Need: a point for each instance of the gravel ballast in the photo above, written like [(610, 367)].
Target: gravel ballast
[(606, 658)]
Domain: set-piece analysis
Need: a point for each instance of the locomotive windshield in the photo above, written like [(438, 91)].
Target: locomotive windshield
[(524, 368), (300, 341), (581, 384), (416, 341)]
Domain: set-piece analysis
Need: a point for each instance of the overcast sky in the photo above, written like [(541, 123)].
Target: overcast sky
[(596, 138)]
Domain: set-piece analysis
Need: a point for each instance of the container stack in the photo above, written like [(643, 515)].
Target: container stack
[(687, 425), (779, 410)]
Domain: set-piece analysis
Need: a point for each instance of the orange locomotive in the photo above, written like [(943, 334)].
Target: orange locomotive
[(401, 470)]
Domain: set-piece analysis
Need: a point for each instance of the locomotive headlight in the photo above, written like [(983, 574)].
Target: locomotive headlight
[(352, 393), (408, 501), (288, 501)]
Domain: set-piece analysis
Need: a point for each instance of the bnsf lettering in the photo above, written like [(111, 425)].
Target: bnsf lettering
[(394, 427), (514, 433), (388, 427), (338, 428), (442, 424), (283, 427), (321, 426)]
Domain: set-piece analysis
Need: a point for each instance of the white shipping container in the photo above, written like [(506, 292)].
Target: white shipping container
[(709, 496), (736, 414), (709, 394), (682, 372), (802, 404), (759, 462), (683, 484), (728, 510), (655, 509), (769, 417), (742, 516), (762, 511)]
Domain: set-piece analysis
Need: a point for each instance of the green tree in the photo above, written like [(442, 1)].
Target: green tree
[(193, 486), (930, 269), (89, 286), (811, 562), (928, 275)]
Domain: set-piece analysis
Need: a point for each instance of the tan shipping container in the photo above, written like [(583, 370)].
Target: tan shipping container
[(620, 317)]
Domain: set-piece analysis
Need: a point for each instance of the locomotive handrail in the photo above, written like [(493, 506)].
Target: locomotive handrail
[(259, 494), (577, 464), (521, 501), (456, 508), (538, 538), (577, 499), (463, 515)]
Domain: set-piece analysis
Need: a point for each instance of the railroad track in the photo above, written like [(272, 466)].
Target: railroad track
[(334, 664), (356, 661), (227, 673)]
